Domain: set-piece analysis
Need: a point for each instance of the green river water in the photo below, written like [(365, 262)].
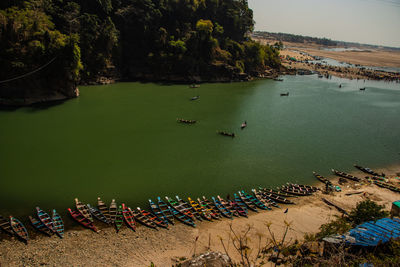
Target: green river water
[(122, 141)]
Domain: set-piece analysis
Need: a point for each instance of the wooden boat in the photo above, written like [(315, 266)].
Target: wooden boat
[(297, 188), (256, 201), (377, 178), (224, 210), (129, 217), (112, 211), (183, 218), (83, 209), (308, 188), (387, 186), (362, 89), (102, 207), (277, 198), (83, 220), (244, 125), (166, 210), (345, 175), (119, 218), (143, 219), (322, 179), (97, 214), (45, 219), (294, 191), (242, 204), (278, 80), (153, 218), (242, 210), (228, 206), (38, 225), (5, 225), (195, 98), (285, 94), (58, 224), (179, 207), (275, 192), (200, 210), (368, 170), (226, 133), (251, 205), (186, 121), (157, 211), (266, 201), (208, 206), (189, 207), (336, 206), (19, 229)]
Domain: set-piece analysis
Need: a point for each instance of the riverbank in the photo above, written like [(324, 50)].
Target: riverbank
[(167, 247)]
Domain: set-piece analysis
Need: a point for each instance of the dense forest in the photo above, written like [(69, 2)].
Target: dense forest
[(65, 42), (294, 38)]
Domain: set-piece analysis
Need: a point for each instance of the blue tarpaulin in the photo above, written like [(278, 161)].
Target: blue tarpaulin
[(370, 233)]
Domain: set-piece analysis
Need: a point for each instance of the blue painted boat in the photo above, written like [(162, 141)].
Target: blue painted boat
[(228, 206), (45, 219), (242, 210), (222, 208), (241, 203), (253, 199), (98, 214), (38, 225), (208, 206), (58, 224), (260, 196), (19, 229), (157, 211), (180, 207), (183, 218), (250, 204), (166, 210)]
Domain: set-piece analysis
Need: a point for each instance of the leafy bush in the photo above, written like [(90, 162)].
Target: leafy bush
[(367, 211)]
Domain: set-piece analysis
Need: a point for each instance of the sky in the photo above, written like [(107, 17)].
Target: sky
[(365, 21)]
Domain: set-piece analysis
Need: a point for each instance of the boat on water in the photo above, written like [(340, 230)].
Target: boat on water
[(58, 224), (322, 179), (249, 204), (77, 216), (276, 192), (186, 121), (228, 206), (226, 133), (222, 209), (362, 89), (295, 191), (38, 225), (195, 98), (285, 94), (368, 170), (83, 209), (200, 210), (189, 207), (244, 125), (112, 211), (208, 206), (346, 175), (308, 188), (153, 218), (157, 211), (19, 229), (143, 219), (45, 219), (5, 225), (102, 207), (96, 213), (119, 218), (277, 198), (255, 200), (278, 80), (166, 210), (129, 217)]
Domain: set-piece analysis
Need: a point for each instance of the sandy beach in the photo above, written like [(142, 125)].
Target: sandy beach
[(167, 247)]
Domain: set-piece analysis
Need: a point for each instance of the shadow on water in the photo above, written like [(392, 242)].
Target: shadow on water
[(33, 107)]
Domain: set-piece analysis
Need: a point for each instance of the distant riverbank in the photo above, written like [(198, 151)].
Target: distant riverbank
[(167, 247)]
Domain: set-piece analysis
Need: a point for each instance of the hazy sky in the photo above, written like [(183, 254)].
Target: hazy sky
[(364, 21)]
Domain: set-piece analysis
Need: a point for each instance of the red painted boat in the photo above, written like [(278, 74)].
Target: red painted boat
[(129, 217), (83, 209), (19, 229), (82, 220), (153, 218)]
